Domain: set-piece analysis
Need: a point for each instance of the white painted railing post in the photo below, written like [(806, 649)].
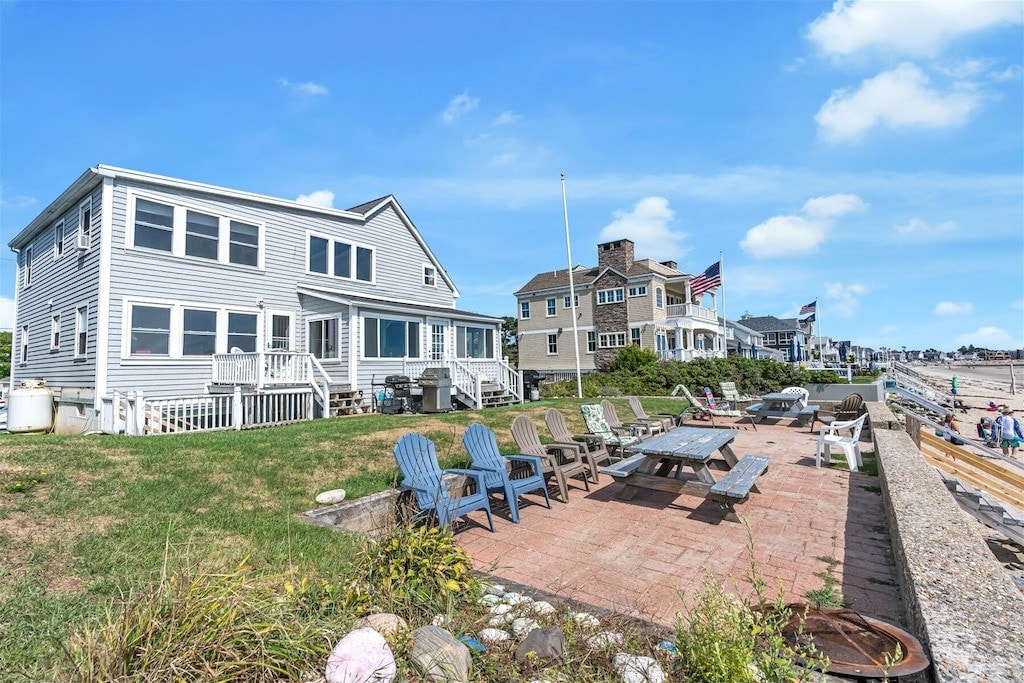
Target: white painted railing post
[(479, 396), (139, 414), (236, 408)]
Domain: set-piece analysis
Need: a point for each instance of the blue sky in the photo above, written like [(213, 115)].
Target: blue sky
[(866, 155)]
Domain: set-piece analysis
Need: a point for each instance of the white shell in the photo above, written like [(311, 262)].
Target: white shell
[(542, 607), (523, 625), (586, 620), (493, 635)]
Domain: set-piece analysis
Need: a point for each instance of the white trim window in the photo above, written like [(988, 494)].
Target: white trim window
[(390, 338), (198, 332), (429, 275), (610, 296), (552, 344), (591, 341), (611, 340), (659, 298), (179, 330), (524, 310), (193, 233), (323, 338), (26, 268), (84, 234), (568, 304), (55, 332), (474, 342), (58, 239), (552, 307), (336, 258), (81, 331), (23, 353), (638, 290), (634, 336)]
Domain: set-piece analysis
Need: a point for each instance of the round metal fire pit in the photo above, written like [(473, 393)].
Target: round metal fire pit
[(855, 644)]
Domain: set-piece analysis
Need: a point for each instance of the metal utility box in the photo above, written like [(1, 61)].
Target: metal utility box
[(437, 390)]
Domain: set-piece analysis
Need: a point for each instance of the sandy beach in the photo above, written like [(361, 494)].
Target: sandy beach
[(977, 385)]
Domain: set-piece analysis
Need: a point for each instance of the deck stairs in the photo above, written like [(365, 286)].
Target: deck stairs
[(344, 400)]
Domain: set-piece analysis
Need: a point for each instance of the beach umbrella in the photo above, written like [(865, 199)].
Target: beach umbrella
[(792, 350), (799, 351), (843, 351), (739, 348)]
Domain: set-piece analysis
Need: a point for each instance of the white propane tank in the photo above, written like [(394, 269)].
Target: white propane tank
[(30, 408)]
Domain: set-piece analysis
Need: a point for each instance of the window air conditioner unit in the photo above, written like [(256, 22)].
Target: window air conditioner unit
[(82, 242)]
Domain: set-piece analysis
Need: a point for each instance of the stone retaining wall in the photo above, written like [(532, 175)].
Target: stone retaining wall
[(959, 600)]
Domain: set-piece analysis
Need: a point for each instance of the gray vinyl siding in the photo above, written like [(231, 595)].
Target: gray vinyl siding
[(318, 309), (69, 282), (146, 274)]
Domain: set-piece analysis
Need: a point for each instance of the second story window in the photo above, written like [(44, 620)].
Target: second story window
[(591, 342), (329, 256), (154, 225), (85, 225), (27, 267), (639, 290), (551, 307), (58, 239), (659, 297), (524, 310), (611, 340), (201, 235), (245, 244), (429, 276), (610, 296), (634, 336), (575, 301)]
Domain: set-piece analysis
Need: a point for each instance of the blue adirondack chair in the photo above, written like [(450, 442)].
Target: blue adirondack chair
[(421, 474), (527, 472)]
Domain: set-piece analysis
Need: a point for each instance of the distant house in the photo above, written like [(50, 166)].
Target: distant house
[(785, 336), (622, 301), (134, 282), (743, 341)]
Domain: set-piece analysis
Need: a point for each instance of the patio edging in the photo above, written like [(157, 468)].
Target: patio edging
[(957, 598)]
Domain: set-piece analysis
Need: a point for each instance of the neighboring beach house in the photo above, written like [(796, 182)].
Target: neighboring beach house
[(134, 282), (785, 336), (621, 301), (745, 342)]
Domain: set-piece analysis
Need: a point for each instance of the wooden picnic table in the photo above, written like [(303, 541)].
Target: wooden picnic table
[(690, 452)]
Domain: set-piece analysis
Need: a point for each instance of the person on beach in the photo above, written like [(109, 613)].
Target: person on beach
[(1008, 431), (951, 427)]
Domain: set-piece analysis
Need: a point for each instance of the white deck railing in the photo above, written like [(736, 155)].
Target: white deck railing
[(133, 414), (470, 374), (271, 369), (692, 311)]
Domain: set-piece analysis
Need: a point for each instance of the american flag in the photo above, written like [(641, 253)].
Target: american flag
[(809, 308), (708, 280)]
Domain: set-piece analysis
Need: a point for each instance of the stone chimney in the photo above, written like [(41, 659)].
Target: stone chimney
[(617, 255), (670, 264)]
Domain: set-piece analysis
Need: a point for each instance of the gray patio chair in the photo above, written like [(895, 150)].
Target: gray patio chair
[(593, 416), (563, 461), (666, 421), (641, 430), (594, 448)]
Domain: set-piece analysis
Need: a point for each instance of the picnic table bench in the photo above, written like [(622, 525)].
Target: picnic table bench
[(690, 451)]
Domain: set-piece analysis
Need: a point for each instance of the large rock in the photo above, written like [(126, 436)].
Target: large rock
[(363, 656), (547, 643), (383, 623), (439, 656), (637, 669)]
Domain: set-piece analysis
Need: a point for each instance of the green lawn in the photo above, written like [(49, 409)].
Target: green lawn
[(108, 510)]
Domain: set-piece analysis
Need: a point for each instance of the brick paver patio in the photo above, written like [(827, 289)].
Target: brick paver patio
[(639, 557)]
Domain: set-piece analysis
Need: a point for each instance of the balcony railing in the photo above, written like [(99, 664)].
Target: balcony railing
[(692, 311)]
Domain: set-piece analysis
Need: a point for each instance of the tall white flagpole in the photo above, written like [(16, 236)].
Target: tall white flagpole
[(572, 295), (821, 337), (725, 321)]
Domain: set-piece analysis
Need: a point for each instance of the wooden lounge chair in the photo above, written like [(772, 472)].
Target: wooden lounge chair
[(641, 430), (703, 411), (595, 450), (564, 461), (512, 475), (593, 416), (850, 408), (416, 457), (667, 421)]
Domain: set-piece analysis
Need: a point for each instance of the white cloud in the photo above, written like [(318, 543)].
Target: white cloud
[(790, 235), (953, 308), (505, 159), (459, 106), (923, 27), (843, 300), (321, 198), (989, 337), (307, 89), (833, 206), (919, 230), (1018, 304), (18, 201), (900, 99), (6, 314), (1010, 73), (506, 118), (647, 224)]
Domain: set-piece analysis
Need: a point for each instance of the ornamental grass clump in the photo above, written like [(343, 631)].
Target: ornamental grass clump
[(414, 571), (196, 625)]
